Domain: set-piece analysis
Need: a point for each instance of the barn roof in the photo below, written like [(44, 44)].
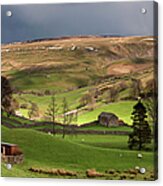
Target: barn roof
[(8, 144), (108, 114)]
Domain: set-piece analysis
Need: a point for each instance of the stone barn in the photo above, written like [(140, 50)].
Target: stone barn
[(11, 153), (108, 119)]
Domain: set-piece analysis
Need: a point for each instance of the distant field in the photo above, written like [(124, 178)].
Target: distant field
[(72, 153), (122, 109), (72, 98), (15, 121)]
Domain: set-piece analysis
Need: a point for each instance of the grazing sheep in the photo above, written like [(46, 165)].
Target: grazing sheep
[(89, 48), (140, 156)]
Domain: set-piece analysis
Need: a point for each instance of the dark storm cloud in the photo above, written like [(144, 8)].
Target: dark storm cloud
[(53, 20)]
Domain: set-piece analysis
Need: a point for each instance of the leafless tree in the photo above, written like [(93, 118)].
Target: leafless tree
[(33, 110), (151, 106), (113, 94), (68, 117), (52, 111), (136, 88)]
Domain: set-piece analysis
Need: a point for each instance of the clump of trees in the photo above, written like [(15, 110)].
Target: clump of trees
[(85, 100), (141, 134), (15, 104), (24, 106), (89, 99), (68, 116), (8, 103), (112, 93)]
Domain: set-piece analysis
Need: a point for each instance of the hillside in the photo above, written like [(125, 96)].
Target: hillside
[(71, 63), (109, 69)]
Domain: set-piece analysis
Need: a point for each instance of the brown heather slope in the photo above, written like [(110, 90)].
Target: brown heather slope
[(77, 62)]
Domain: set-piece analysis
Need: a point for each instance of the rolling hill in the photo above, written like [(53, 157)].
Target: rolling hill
[(73, 67), (70, 63)]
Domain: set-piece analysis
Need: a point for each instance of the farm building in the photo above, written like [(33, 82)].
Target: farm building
[(11, 153), (109, 119)]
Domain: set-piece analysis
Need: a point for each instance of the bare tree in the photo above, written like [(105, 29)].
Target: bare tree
[(74, 122), (33, 110), (92, 103), (15, 104), (84, 100), (88, 100), (136, 88), (150, 89), (113, 94), (151, 106), (68, 117), (52, 111)]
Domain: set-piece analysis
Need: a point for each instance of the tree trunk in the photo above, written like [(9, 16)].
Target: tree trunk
[(63, 134), (54, 129), (53, 125), (140, 145)]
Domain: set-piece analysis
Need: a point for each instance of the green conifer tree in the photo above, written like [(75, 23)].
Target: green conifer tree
[(141, 134)]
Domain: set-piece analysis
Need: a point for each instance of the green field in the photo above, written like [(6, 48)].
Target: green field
[(122, 109), (73, 153), (43, 101)]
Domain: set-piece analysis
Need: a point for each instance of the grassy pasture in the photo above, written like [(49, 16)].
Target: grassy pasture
[(122, 109), (72, 153)]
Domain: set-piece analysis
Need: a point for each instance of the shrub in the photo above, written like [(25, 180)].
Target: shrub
[(24, 106)]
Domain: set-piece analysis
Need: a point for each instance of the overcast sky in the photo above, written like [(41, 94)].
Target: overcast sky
[(53, 20)]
